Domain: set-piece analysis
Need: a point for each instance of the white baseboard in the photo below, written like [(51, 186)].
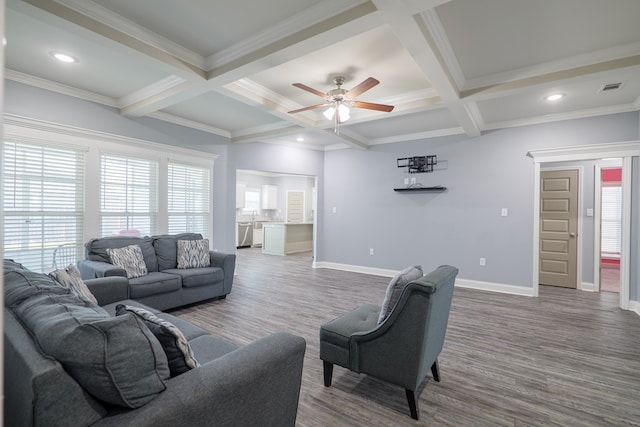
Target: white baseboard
[(495, 287), (463, 283), (355, 268), (635, 307), (590, 287)]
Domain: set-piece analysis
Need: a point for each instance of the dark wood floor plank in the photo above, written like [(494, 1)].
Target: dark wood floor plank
[(566, 358)]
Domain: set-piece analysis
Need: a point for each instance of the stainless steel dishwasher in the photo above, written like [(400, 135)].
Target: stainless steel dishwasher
[(245, 235)]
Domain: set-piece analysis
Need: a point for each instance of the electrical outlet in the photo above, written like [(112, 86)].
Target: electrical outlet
[(334, 210), (406, 181), (371, 251), (413, 180), (504, 212), (483, 261)]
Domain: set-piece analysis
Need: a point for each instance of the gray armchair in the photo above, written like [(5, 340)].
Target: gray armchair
[(401, 349)]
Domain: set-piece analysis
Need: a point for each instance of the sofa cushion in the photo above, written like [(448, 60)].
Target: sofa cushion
[(130, 259), (115, 359), (395, 288), (193, 277), (166, 247), (70, 277), (153, 283), (193, 253), (179, 355), (96, 249), (208, 348)]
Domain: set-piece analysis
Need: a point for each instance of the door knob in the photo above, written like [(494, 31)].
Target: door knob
[(572, 234)]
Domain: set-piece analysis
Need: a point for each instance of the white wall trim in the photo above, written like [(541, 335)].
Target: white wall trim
[(635, 307), (355, 268), (625, 150), (462, 283), (495, 287), (589, 287)]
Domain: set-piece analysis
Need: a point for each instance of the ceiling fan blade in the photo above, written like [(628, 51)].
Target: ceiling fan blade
[(362, 87), (312, 107), (372, 106), (312, 90)]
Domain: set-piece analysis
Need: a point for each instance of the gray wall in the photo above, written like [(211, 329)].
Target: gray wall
[(41, 104), (460, 225)]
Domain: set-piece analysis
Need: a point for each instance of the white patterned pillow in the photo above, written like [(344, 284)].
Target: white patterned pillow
[(193, 253), (69, 277), (130, 259), (173, 341)]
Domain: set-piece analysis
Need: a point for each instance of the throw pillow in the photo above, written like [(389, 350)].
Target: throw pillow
[(193, 253), (69, 277), (175, 345), (395, 288), (130, 259)]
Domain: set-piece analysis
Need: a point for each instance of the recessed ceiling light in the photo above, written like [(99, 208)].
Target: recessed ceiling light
[(63, 57), (299, 139), (554, 97)]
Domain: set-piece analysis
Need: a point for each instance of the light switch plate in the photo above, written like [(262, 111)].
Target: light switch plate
[(590, 212), (504, 212)]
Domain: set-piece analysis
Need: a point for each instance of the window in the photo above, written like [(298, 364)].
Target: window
[(189, 192), (251, 201), (43, 202), (611, 220), (128, 196)]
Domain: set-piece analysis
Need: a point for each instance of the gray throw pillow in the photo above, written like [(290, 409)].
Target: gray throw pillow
[(175, 345), (130, 259), (69, 277), (193, 253), (115, 359), (395, 288)]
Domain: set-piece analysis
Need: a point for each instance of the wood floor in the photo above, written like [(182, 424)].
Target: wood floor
[(566, 358)]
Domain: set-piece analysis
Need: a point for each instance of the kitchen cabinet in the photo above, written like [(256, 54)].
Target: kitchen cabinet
[(269, 197), (284, 239)]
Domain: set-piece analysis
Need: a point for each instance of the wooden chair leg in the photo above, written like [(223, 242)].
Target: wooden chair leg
[(328, 373), (435, 371), (413, 403)]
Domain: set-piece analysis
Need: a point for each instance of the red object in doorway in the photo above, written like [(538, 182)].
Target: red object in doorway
[(612, 175)]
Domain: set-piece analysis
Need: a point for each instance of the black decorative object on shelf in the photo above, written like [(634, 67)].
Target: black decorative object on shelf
[(434, 188), (418, 164)]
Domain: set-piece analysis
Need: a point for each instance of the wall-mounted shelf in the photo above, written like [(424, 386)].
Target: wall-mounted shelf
[(434, 188)]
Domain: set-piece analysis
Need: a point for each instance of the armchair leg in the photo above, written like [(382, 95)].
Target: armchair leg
[(328, 373), (435, 371), (413, 403)]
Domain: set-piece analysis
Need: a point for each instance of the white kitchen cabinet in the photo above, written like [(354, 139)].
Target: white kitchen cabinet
[(240, 190), (269, 197)]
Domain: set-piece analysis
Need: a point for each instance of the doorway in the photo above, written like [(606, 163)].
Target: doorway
[(610, 190), (558, 228)]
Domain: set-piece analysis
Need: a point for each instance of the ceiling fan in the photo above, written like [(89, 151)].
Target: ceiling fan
[(339, 100)]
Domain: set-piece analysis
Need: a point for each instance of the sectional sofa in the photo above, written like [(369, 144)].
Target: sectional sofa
[(72, 362)]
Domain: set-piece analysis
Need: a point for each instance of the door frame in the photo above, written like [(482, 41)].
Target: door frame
[(579, 223), (597, 219), (624, 150)]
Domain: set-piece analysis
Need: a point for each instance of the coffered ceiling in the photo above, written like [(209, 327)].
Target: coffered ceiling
[(227, 66)]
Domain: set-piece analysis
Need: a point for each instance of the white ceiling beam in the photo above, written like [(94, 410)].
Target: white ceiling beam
[(412, 31)]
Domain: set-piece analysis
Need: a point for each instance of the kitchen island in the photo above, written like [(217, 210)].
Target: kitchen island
[(281, 238)]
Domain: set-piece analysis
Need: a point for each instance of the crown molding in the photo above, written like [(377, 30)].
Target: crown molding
[(120, 23), (439, 35), (170, 118), (40, 83), (416, 136), (151, 90)]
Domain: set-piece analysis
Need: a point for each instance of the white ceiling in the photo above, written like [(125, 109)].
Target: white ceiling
[(227, 66)]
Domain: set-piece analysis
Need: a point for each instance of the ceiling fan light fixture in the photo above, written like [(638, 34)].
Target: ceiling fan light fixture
[(343, 113), (329, 112)]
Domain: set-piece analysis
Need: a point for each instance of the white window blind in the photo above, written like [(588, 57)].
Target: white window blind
[(128, 196), (43, 189), (611, 219), (189, 192)]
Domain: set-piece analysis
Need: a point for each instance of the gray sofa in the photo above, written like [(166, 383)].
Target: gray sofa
[(258, 384), (165, 286)]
